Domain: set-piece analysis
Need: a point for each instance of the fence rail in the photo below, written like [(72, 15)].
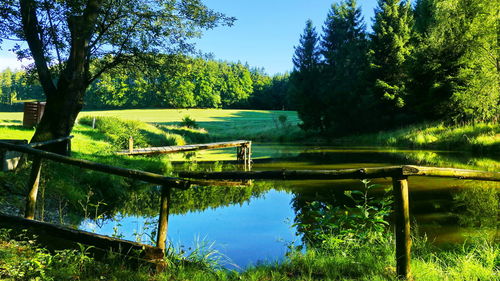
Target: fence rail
[(399, 175), (363, 173)]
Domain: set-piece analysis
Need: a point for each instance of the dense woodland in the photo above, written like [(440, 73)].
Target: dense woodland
[(422, 61), (435, 60), (187, 83)]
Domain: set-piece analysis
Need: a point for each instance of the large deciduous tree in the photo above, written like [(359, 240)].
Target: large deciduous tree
[(72, 42)]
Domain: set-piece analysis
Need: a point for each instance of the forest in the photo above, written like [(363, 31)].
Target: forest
[(435, 60), (431, 61), (187, 83)]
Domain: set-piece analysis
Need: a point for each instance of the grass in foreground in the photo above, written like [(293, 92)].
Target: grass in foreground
[(20, 259)]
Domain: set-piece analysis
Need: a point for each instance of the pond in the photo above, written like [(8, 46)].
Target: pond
[(253, 224)]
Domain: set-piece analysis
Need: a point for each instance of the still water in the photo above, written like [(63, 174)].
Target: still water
[(253, 224)]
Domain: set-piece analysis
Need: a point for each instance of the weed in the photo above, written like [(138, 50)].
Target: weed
[(189, 122)]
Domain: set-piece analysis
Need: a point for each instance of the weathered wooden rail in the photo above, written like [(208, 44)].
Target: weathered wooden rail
[(243, 154), (60, 237), (10, 159), (399, 175), (166, 182)]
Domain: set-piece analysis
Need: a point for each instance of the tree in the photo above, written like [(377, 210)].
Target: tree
[(390, 49), (66, 38), (304, 79), (456, 69), (344, 48), (6, 86)]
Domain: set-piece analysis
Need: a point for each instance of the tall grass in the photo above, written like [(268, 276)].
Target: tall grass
[(481, 137), (357, 260)]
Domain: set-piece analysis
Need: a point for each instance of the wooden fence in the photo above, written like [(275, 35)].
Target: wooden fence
[(399, 175)]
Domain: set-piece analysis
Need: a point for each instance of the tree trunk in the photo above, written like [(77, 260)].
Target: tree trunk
[(64, 100), (59, 117)]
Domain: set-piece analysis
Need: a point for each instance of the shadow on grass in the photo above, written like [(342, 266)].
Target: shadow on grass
[(9, 121)]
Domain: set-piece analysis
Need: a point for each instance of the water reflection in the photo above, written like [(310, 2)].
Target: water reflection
[(252, 223)]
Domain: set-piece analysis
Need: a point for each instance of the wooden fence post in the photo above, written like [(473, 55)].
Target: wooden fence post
[(239, 153), (68, 148), (163, 220), (130, 144), (402, 226), (33, 183), (249, 156)]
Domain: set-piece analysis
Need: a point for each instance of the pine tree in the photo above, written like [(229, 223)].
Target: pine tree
[(456, 70), (304, 80), (344, 48), (423, 13), (390, 49)]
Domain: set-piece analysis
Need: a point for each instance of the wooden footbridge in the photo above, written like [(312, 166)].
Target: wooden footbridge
[(399, 175), (243, 153)]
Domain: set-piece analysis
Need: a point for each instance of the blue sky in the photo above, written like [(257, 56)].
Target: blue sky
[(264, 34)]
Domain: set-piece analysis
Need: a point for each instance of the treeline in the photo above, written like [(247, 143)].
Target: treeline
[(16, 86), (435, 60), (170, 82)]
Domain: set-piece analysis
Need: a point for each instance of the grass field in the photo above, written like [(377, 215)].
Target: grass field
[(221, 124)]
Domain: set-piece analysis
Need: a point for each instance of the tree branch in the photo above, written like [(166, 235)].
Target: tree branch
[(30, 28)]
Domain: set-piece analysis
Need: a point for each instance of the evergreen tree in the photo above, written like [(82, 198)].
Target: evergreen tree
[(344, 48), (455, 71), (390, 49), (304, 80), (423, 14)]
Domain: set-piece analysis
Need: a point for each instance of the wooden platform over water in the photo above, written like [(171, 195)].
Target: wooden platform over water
[(184, 148)]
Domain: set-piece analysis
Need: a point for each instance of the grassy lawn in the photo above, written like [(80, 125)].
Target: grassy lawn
[(221, 124)]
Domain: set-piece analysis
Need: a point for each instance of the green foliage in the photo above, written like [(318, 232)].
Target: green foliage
[(191, 135), (305, 77), (438, 61), (479, 137), (455, 71), (359, 260), (271, 93), (16, 86), (175, 82), (389, 49), (188, 122), (118, 132), (479, 205), (365, 220)]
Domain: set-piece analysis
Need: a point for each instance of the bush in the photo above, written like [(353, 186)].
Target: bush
[(188, 122), (118, 132)]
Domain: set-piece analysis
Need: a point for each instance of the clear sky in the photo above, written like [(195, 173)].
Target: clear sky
[(264, 34)]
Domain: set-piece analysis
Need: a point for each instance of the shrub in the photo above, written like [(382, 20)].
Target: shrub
[(118, 132), (188, 122)]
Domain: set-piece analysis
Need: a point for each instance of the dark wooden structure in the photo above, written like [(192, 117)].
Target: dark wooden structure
[(243, 154), (399, 175), (33, 112)]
